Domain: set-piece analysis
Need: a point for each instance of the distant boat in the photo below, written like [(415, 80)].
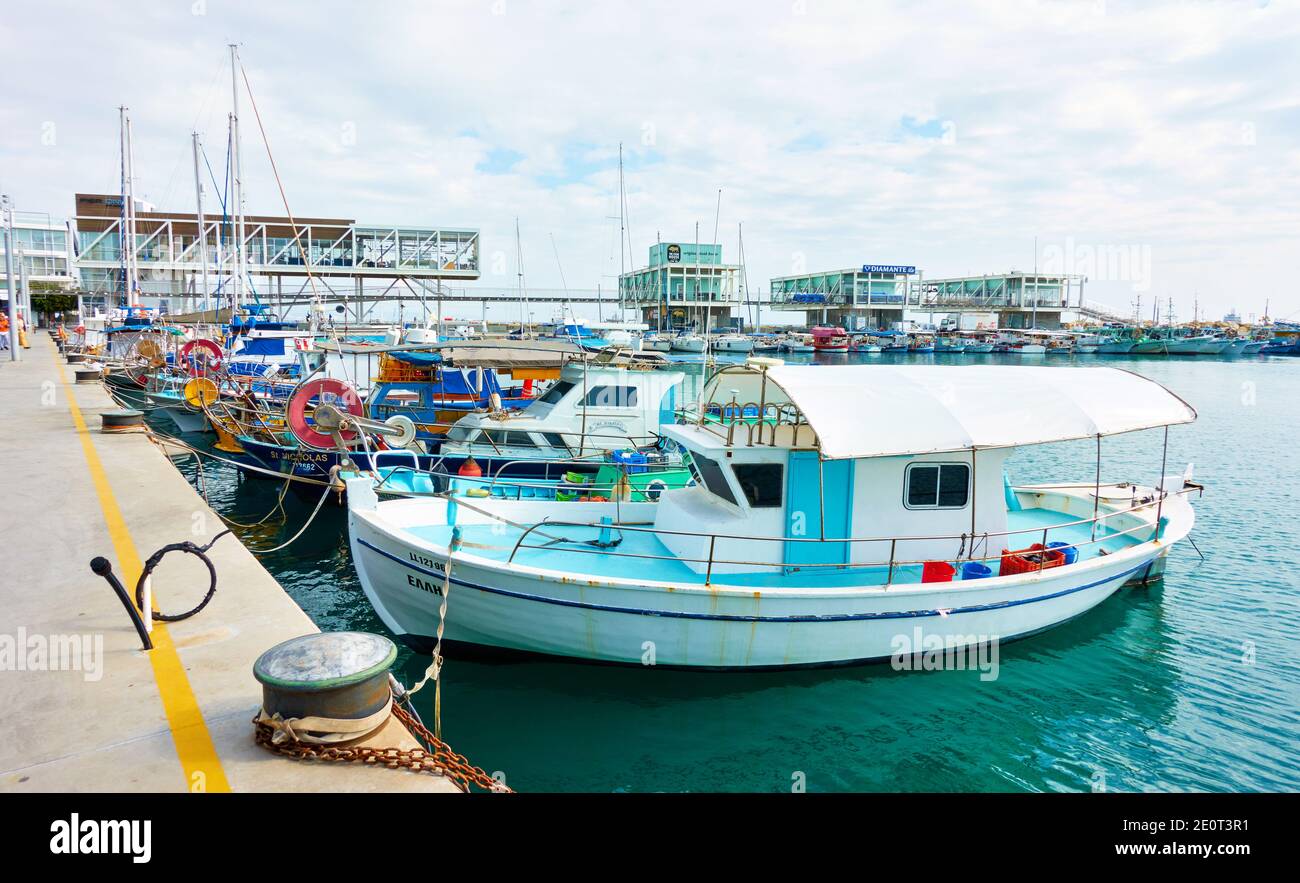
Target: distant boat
[(659, 343), (830, 339), (732, 343), (798, 343), (687, 342)]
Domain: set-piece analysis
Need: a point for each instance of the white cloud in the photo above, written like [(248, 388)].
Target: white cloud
[(1170, 126)]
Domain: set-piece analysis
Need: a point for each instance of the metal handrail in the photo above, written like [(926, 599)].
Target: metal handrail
[(893, 541), (892, 563)]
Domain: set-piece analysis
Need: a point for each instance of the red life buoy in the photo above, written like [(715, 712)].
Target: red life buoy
[(324, 390), (199, 366)]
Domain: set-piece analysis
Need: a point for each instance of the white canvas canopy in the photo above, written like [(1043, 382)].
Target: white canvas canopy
[(882, 410)]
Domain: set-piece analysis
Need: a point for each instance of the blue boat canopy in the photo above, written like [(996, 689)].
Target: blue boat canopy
[(417, 358)]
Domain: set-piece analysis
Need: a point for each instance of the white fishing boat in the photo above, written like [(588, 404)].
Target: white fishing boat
[(1087, 343), (687, 342), (733, 343), (170, 400), (1020, 344), (817, 534), (1215, 346), (588, 410), (978, 344), (798, 343), (659, 343)]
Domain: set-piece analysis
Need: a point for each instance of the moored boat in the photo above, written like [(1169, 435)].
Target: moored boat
[(830, 339), (816, 534)]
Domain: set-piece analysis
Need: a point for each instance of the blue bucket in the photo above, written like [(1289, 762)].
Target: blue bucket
[(1071, 552), (975, 570)]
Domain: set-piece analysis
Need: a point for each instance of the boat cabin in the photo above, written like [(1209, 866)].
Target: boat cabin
[(588, 409), (913, 455)]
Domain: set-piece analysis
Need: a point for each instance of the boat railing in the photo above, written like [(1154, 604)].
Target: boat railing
[(752, 417), (969, 541)]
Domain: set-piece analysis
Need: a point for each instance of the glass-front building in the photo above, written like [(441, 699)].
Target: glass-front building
[(867, 298), (684, 285), (171, 252), (1020, 300), (40, 250)]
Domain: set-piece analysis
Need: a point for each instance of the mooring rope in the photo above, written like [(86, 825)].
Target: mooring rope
[(434, 670)]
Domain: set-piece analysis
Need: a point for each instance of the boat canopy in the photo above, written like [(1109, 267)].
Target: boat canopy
[(881, 411)]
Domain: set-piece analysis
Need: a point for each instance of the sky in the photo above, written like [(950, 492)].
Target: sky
[(1154, 147)]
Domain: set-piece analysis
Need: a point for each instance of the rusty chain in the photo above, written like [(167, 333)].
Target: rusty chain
[(440, 761)]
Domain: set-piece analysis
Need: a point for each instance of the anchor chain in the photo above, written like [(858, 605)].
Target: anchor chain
[(439, 760)]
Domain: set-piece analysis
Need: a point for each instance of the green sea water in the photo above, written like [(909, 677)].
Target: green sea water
[(1192, 683)]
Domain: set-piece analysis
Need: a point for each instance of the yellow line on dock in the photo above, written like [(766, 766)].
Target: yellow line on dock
[(194, 746)]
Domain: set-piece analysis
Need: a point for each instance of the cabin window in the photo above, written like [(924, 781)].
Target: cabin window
[(555, 440), (556, 392), (462, 434), (761, 482), (938, 485), (519, 440), (713, 477), (611, 397)]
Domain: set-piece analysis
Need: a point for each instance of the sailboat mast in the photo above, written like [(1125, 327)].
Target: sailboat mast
[(121, 224), (133, 280), (519, 271), (744, 276), (622, 228), (203, 236), (237, 179)]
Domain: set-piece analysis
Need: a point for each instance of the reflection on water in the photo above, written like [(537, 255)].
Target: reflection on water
[(1192, 684)]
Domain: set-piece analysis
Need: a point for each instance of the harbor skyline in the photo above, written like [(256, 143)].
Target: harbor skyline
[(1148, 165)]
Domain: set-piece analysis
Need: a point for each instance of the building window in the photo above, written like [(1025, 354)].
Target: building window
[(761, 483), (712, 476), (937, 485), (611, 397)]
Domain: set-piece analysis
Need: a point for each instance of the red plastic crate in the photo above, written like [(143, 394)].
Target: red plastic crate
[(1030, 560)]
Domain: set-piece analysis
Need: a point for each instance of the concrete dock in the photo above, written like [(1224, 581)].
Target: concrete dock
[(177, 718)]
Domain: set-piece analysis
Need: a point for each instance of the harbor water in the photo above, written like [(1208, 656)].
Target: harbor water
[(1188, 684)]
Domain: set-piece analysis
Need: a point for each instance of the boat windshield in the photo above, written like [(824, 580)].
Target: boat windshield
[(556, 392)]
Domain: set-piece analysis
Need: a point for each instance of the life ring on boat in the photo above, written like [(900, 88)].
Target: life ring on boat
[(200, 357), (654, 488), (322, 391), (200, 392)]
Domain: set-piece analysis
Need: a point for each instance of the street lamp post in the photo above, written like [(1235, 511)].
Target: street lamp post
[(11, 279)]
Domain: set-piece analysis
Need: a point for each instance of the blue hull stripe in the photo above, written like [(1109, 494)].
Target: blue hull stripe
[(838, 617)]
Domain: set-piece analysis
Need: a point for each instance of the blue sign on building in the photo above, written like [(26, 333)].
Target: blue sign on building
[(888, 268)]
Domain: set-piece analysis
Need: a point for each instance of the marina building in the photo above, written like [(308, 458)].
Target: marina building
[(188, 269), (41, 251), (1009, 300), (873, 297), (880, 296), (684, 285)]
